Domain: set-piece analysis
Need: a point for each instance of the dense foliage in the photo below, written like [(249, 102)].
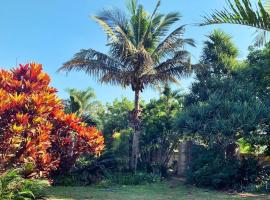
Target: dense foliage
[(117, 131), (14, 187), (129, 178), (113, 120), (158, 141), (159, 138), (228, 103), (222, 106), (33, 126), (210, 168)]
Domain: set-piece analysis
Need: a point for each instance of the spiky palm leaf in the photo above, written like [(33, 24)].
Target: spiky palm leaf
[(243, 13), (267, 5), (262, 37)]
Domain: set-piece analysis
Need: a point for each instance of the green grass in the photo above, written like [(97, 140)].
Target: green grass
[(159, 191)]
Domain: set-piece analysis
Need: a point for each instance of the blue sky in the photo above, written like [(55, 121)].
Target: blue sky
[(51, 31)]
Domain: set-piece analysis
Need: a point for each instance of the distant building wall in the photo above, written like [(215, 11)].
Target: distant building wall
[(184, 157)]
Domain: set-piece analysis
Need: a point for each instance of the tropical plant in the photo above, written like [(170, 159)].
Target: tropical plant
[(223, 105), (117, 132), (33, 126), (84, 104), (116, 116), (128, 178), (243, 13), (81, 100), (218, 61), (211, 168), (257, 72), (159, 137), (230, 112), (141, 54), (14, 187)]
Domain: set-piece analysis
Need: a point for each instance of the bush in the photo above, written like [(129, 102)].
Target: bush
[(34, 128), (14, 187), (128, 178), (108, 179), (76, 179), (87, 170), (210, 168)]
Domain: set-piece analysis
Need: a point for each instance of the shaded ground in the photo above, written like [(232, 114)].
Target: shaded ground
[(159, 191)]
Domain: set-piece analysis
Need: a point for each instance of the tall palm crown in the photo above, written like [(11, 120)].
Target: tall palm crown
[(243, 12), (137, 55), (141, 54)]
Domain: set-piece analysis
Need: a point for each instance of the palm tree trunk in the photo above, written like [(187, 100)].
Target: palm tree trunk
[(136, 134)]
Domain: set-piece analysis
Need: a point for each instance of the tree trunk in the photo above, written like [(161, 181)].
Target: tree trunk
[(232, 151), (136, 134)]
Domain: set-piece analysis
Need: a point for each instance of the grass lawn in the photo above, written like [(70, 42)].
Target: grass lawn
[(161, 191)]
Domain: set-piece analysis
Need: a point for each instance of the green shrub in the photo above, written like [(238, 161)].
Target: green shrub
[(127, 178), (210, 168), (14, 187), (87, 170), (76, 179), (109, 178)]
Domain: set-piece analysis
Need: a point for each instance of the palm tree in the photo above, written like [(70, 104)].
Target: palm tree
[(84, 104), (243, 13), (140, 54), (81, 101)]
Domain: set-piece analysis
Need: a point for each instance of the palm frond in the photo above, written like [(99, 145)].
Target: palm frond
[(107, 29), (150, 27), (262, 37), (181, 56), (114, 18), (174, 68), (156, 21), (240, 12), (131, 6), (155, 10), (80, 100), (123, 50), (94, 63), (267, 5), (165, 23), (138, 25), (175, 72), (125, 41), (169, 75), (170, 70), (173, 42)]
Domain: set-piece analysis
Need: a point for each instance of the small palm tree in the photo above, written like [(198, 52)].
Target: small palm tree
[(81, 101), (140, 54), (243, 13), (84, 104)]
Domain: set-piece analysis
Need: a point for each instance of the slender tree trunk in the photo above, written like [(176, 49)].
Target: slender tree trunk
[(136, 134)]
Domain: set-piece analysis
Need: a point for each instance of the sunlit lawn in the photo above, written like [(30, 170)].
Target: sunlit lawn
[(162, 191)]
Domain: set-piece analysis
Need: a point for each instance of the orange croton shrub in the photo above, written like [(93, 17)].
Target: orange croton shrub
[(33, 126)]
